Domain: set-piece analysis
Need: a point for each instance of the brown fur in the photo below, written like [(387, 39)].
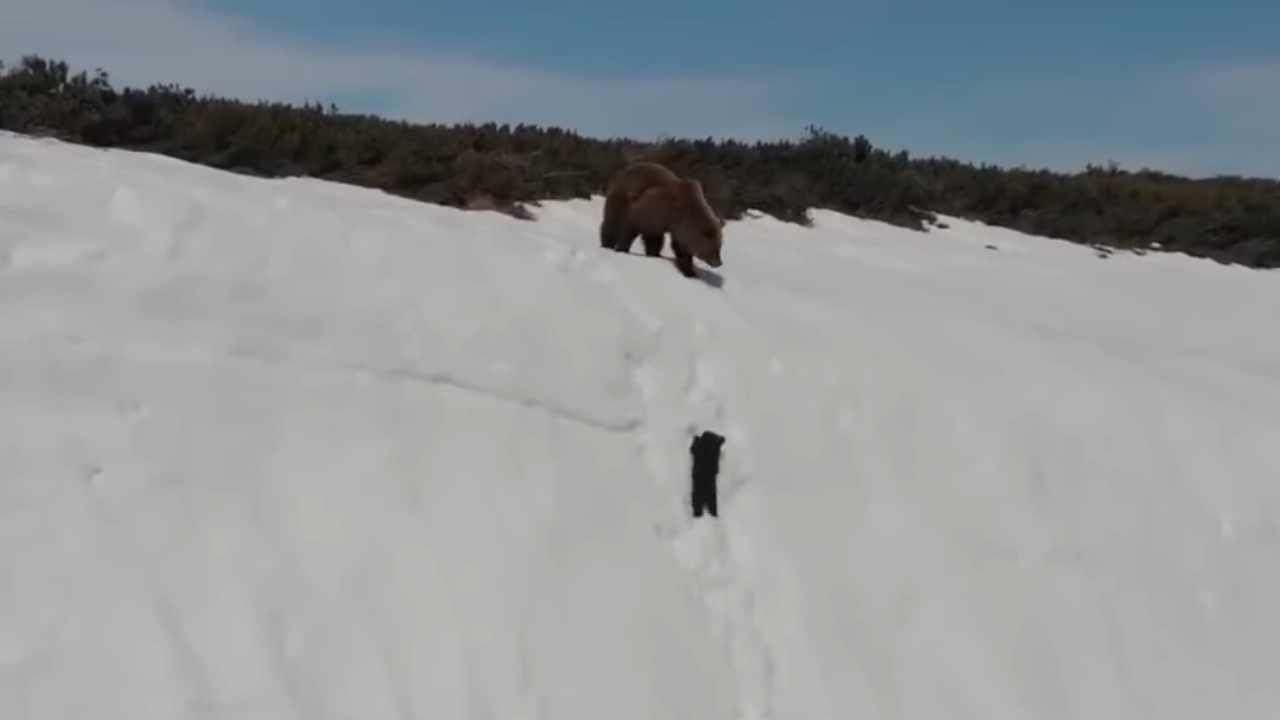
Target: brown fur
[(648, 200)]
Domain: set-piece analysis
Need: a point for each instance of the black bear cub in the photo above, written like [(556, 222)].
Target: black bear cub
[(706, 464)]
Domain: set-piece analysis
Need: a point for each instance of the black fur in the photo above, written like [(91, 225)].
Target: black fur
[(706, 465)]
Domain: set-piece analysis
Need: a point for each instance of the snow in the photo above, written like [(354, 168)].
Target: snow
[(292, 449)]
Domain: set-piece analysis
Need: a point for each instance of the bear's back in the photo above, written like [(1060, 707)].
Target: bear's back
[(631, 181)]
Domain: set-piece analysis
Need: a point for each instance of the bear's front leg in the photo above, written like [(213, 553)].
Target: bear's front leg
[(653, 245), (684, 260)]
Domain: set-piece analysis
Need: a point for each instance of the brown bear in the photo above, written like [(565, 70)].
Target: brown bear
[(649, 200)]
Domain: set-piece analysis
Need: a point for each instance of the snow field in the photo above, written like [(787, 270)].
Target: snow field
[(292, 449)]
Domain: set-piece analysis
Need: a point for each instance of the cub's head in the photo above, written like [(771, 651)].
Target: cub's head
[(699, 229), (707, 443)]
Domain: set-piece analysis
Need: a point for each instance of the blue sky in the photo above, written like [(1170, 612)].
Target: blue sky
[(1192, 89)]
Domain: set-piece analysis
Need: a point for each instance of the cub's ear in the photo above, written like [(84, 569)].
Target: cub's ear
[(721, 222)]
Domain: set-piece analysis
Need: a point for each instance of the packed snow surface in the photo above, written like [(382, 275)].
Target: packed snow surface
[(297, 450)]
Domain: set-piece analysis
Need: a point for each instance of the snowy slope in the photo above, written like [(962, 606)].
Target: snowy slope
[(290, 449)]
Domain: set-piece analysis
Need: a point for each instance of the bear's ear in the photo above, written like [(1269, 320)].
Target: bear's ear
[(721, 222)]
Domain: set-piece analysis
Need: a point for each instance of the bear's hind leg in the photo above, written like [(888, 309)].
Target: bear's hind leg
[(653, 244), (684, 260), (612, 223), (623, 240)]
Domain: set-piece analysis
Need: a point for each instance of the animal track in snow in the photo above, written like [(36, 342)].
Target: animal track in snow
[(710, 550)]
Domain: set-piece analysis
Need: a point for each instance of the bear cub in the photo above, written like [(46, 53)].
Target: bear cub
[(647, 199), (706, 465)]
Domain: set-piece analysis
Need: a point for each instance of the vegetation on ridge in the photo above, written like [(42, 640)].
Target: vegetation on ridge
[(501, 166)]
